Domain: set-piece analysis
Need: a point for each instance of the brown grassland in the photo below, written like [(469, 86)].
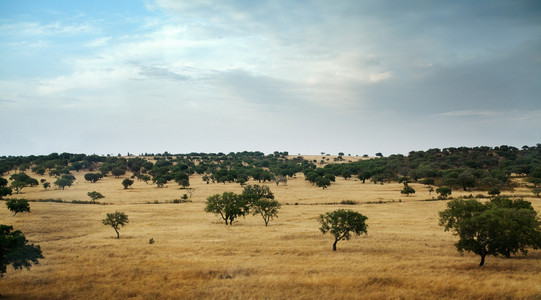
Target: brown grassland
[(406, 254)]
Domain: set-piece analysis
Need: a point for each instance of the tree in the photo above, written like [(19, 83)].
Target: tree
[(323, 182), (127, 183), (22, 180), (267, 208), (535, 190), (116, 220), (341, 223), (228, 205), (494, 191), (253, 193), (444, 192), (261, 199), (95, 196), (15, 250), (63, 182), (46, 185), (407, 190), (182, 179), (93, 177), (117, 172), (18, 206), (499, 227), (4, 190)]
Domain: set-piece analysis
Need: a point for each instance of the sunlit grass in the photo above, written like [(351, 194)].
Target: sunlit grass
[(194, 255)]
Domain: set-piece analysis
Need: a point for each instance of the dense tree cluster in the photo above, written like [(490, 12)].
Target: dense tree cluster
[(255, 199), (465, 168)]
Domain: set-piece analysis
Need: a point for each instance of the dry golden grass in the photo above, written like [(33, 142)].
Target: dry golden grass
[(405, 254)]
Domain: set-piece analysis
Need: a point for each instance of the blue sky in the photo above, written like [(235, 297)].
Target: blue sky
[(358, 77)]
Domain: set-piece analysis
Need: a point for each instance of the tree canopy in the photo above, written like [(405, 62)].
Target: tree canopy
[(341, 223), (15, 250), (18, 206), (116, 220), (498, 227), (228, 205)]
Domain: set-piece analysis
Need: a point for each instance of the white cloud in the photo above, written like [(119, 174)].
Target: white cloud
[(380, 76), (99, 42)]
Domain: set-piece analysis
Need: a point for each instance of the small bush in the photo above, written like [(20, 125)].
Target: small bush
[(348, 202)]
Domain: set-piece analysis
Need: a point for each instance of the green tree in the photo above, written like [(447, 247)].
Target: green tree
[(63, 182), (499, 227), (4, 190), (116, 220), (22, 180), (341, 223), (407, 190), (535, 190), (93, 177), (323, 182), (18, 206), (127, 183), (182, 179), (15, 250), (46, 185), (444, 192), (95, 196), (117, 172), (494, 191), (253, 193), (261, 200), (267, 208), (228, 205)]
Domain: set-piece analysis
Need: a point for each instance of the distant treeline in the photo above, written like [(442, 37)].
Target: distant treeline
[(459, 168)]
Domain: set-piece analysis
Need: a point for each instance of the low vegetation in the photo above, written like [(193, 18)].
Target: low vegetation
[(175, 250)]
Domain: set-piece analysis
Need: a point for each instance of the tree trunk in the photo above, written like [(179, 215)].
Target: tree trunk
[(482, 260), (117, 234), (334, 245)]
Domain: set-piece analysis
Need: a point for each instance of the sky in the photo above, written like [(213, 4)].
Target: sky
[(352, 76)]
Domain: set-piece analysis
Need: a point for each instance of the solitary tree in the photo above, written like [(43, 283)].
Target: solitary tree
[(15, 250), (63, 182), (228, 205), (444, 192), (499, 227), (407, 190), (127, 183), (46, 185), (93, 177), (95, 196), (341, 223), (18, 206), (116, 220)]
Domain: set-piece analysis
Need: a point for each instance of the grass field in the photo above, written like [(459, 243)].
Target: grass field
[(405, 254)]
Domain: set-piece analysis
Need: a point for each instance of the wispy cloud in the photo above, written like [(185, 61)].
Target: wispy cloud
[(47, 29), (99, 42), (470, 113)]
